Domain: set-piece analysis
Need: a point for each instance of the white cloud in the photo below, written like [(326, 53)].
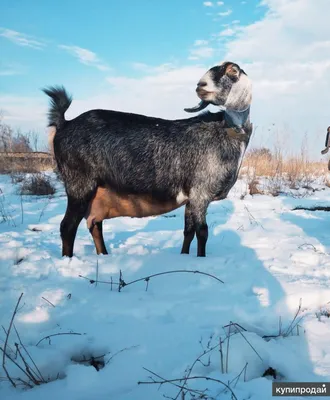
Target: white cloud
[(208, 4), (85, 56), (200, 43), (150, 69), (21, 39), (228, 32), (163, 93), (201, 52), (287, 54), (225, 13), (10, 69), (220, 3)]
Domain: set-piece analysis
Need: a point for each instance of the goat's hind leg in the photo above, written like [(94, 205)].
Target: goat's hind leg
[(96, 231), (189, 229), (198, 209)]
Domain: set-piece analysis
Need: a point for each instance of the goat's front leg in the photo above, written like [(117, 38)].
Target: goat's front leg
[(199, 209), (189, 229), (96, 231)]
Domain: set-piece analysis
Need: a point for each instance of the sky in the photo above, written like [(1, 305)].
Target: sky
[(146, 56)]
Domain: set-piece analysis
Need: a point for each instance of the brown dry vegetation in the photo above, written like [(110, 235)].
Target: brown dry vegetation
[(25, 162), (278, 170)]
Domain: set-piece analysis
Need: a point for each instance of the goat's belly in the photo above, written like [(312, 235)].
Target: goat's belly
[(110, 204)]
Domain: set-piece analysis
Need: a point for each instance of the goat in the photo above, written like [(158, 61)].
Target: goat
[(121, 164)]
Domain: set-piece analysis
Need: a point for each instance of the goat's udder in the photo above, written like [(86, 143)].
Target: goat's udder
[(108, 204)]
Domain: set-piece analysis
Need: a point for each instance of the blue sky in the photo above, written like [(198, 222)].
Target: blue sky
[(146, 56), (120, 33)]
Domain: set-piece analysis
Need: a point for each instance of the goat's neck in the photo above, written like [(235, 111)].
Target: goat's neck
[(236, 118), (237, 123)]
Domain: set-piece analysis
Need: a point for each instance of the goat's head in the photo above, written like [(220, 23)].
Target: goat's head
[(224, 85)]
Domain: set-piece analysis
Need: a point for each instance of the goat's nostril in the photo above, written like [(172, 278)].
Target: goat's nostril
[(201, 84)]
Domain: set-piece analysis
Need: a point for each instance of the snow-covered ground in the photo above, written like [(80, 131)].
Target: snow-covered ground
[(268, 256)]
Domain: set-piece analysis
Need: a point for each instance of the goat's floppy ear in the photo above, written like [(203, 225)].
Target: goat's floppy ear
[(233, 71)]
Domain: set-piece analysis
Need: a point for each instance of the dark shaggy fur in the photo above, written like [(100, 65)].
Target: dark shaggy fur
[(136, 154)]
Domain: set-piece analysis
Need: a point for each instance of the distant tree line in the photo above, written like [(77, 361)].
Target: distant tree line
[(15, 141)]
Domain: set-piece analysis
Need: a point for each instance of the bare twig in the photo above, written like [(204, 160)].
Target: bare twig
[(24, 348), (306, 245), (221, 356), (199, 392), (291, 326), (227, 352), (174, 272), (294, 324), (15, 363), (239, 375), (252, 218), (235, 324), (28, 369), (121, 284), (198, 359), (59, 334), (48, 301), (241, 333), (190, 378), (3, 328), (92, 281), (121, 351), (6, 342)]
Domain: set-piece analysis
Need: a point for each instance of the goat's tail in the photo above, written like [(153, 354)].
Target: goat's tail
[(59, 103)]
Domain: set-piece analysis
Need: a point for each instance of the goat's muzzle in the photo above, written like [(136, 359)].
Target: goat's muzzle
[(202, 93)]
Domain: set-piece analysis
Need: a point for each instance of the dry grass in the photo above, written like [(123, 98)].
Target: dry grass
[(37, 185), (278, 171), (25, 162)]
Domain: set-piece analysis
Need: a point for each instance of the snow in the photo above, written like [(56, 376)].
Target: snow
[(268, 256)]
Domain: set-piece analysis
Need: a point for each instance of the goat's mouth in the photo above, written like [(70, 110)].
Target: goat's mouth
[(202, 93), (205, 100)]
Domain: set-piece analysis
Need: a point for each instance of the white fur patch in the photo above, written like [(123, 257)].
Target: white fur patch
[(51, 135), (181, 197), (240, 95), (210, 86)]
